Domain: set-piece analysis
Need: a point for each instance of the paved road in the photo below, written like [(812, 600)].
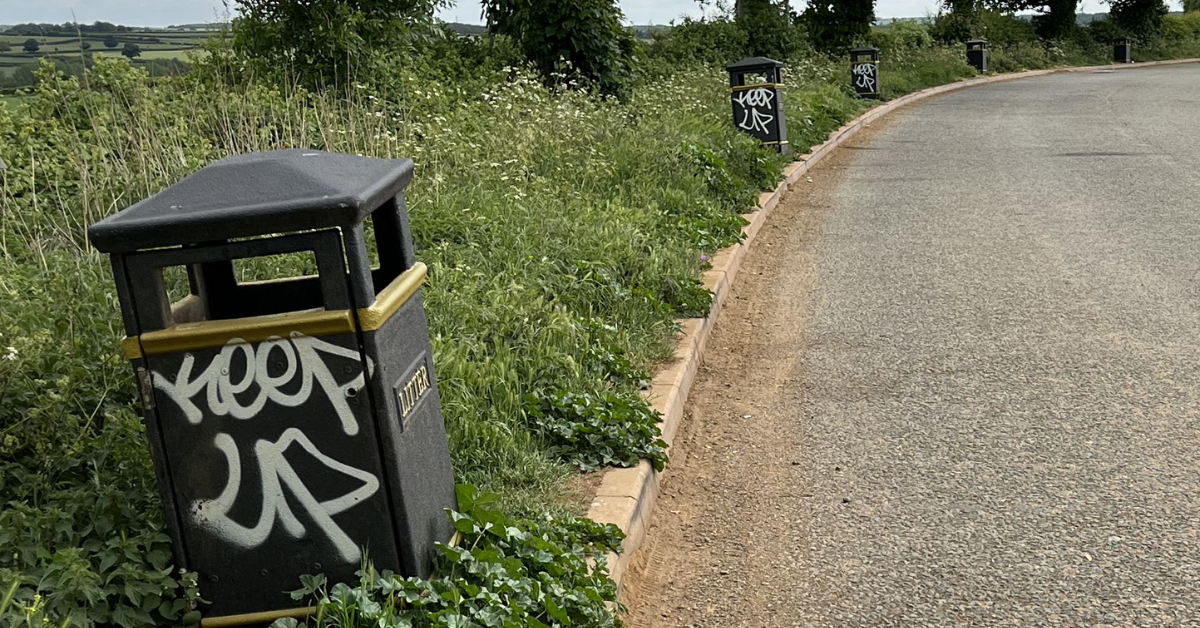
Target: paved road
[(962, 379)]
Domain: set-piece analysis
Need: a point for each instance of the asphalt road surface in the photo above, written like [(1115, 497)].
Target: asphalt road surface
[(958, 383)]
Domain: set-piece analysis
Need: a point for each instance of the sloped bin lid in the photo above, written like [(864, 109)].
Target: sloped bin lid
[(750, 64), (256, 194)]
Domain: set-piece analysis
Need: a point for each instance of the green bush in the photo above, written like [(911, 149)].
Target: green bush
[(564, 235), (1018, 57), (906, 71), (768, 25), (595, 431), (835, 26), (953, 28), (570, 39), (714, 41), (1180, 28), (901, 36), (327, 42), (501, 573), (1103, 32), (1141, 19)]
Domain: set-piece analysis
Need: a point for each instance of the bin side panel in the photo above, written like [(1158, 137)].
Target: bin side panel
[(866, 78), (162, 472), (276, 466), (756, 111), (414, 434)]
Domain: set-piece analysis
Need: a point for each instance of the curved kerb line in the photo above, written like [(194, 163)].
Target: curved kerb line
[(626, 496)]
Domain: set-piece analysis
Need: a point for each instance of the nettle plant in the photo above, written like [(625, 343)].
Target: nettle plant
[(501, 574)]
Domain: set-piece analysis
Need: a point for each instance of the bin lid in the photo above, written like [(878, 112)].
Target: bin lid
[(750, 64), (976, 41), (256, 194)]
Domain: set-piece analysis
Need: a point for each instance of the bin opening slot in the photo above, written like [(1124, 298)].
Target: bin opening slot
[(389, 238), (231, 280)]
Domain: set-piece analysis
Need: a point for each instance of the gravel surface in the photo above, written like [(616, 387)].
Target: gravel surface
[(957, 383)]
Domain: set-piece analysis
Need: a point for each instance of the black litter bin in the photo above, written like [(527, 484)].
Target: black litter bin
[(864, 71), (294, 422), (977, 54), (758, 105), (1121, 50)]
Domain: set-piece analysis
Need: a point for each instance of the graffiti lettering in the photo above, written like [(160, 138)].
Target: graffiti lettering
[(300, 353), (750, 100), (276, 473), (299, 357), (864, 77)]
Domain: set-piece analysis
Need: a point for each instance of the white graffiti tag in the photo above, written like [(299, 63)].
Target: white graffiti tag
[(301, 357), (864, 77), (301, 352), (276, 473), (750, 100)]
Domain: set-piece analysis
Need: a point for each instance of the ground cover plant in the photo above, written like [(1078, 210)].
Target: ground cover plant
[(565, 233)]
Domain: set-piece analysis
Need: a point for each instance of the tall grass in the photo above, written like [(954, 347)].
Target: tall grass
[(564, 235)]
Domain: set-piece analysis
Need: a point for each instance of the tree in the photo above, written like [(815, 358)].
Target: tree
[(1139, 18), (959, 22), (111, 42), (836, 25), (1191, 5), (768, 25), (31, 46), (328, 42), (1055, 19), (87, 45), (573, 38), (5, 47), (131, 50)]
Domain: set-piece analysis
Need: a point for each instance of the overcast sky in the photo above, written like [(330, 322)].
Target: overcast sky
[(166, 12)]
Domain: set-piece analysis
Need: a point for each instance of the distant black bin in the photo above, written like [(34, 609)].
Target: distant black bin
[(294, 423), (864, 71), (1121, 50), (977, 54), (758, 105)]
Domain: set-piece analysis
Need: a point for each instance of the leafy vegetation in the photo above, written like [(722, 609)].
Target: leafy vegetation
[(327, 42), (834, 26), (1142, 19), (571, 39), (768, 28), (565, 233), (501, 574), (551, 222)]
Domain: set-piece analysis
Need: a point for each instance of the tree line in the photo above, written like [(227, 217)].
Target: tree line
[(327, 42)]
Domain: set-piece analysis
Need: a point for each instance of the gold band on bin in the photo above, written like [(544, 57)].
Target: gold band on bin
[(203, 334), (256, 618)]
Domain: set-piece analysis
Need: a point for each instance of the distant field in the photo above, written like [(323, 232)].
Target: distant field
[(156, 44), (11, 101)]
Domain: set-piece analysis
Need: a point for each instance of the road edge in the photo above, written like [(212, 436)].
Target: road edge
[(626, 496)]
